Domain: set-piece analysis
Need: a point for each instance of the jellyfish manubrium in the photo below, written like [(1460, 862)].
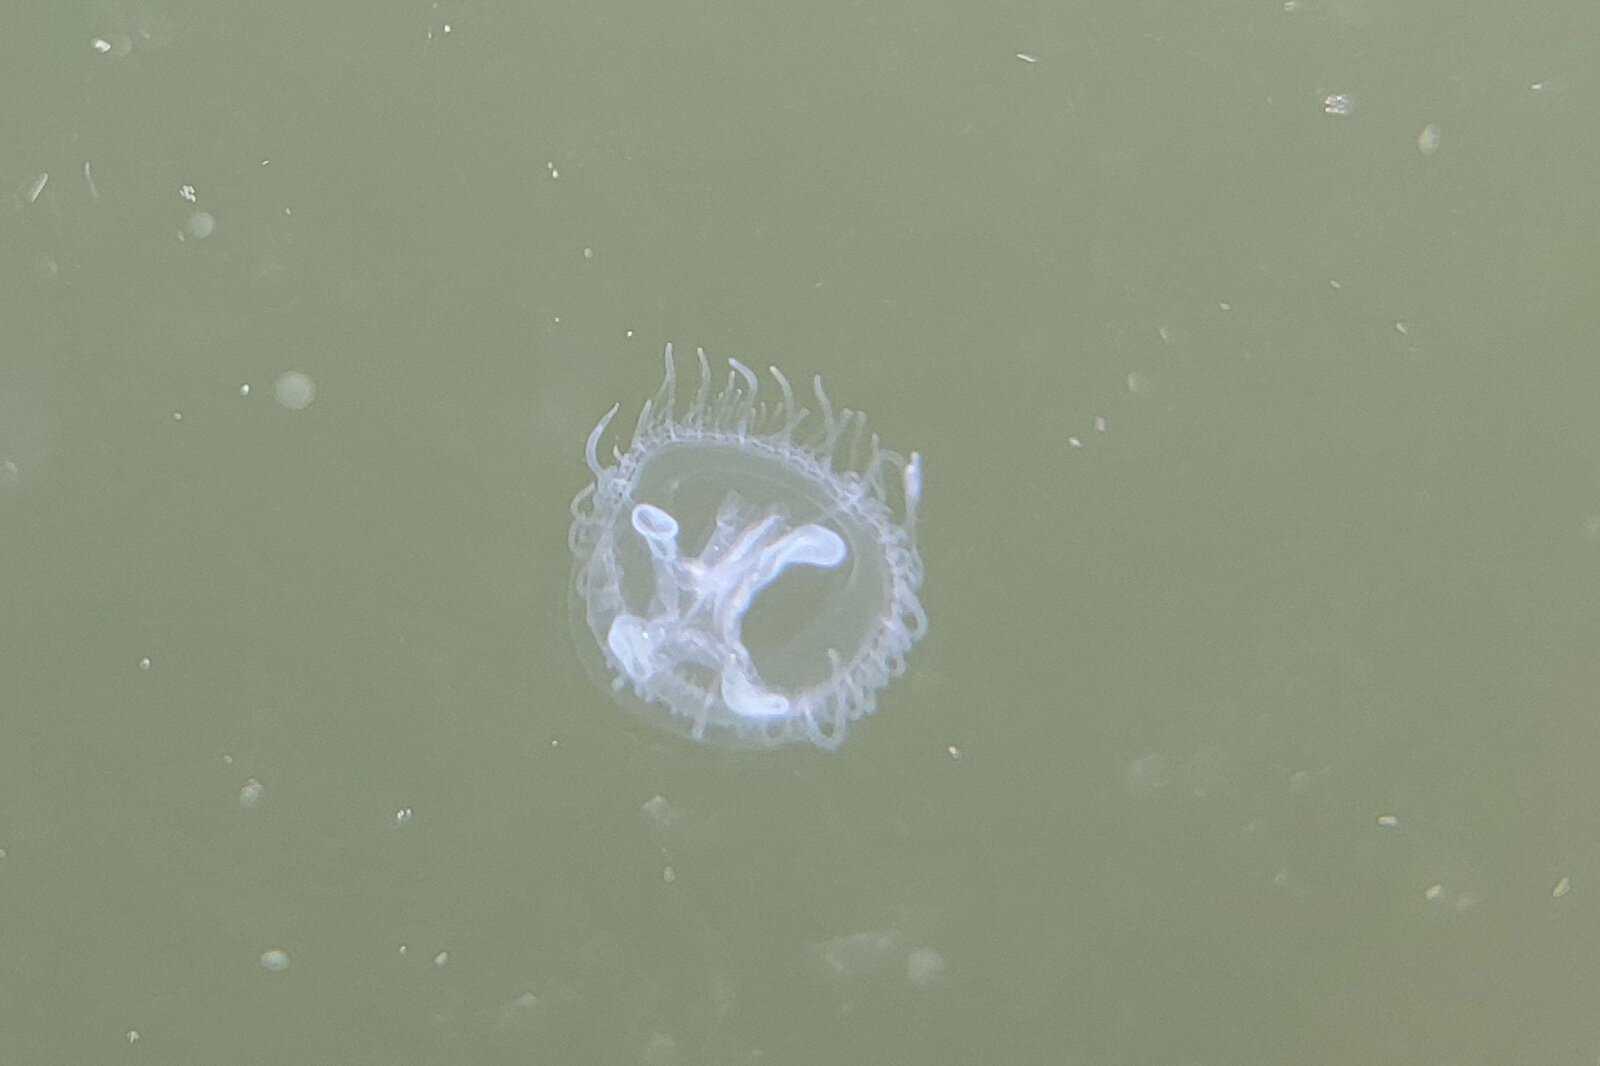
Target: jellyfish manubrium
[(746, 571)]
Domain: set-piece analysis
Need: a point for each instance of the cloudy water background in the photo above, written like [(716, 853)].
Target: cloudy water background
[(1250, 348)]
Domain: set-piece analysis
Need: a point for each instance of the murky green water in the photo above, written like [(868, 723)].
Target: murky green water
[(1256, 722)]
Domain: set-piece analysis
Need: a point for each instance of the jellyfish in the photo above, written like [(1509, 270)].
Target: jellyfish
[(745, 572)]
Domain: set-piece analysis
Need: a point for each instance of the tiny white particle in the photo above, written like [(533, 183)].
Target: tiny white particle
[(1563, 886), (244, 390), (402, 817), (275, 961), (1388, 821), (1433, 893), (250, 794), (659, 811), (144, 664), (101, 45), (133, 1036), (36, 186), (1075, 442), (924, 966), (953, 751), (1026, 58), (187, 192), (295, 390), (669, 875), (201, 225), (1338, 104), (441, 958)]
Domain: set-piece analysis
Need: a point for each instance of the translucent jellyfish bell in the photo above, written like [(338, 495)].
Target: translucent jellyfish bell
[(747, 572)]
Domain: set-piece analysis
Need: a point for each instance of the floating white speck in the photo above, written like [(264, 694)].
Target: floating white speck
[(133, 1036), (101, 45), (1338, 104), (441, 958), (669, 875), (200, 225), (275, 961), (1388, 821), (295, 390), (1433, 893), (144, 664), (244, 390), (953, 751), (924, 966), (402, 817), (36, 186), (659, 811), (250, 794), (1428, 139), (187, 192), (88, 176), (1027, 58), (1563, 886), (861, 953)]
